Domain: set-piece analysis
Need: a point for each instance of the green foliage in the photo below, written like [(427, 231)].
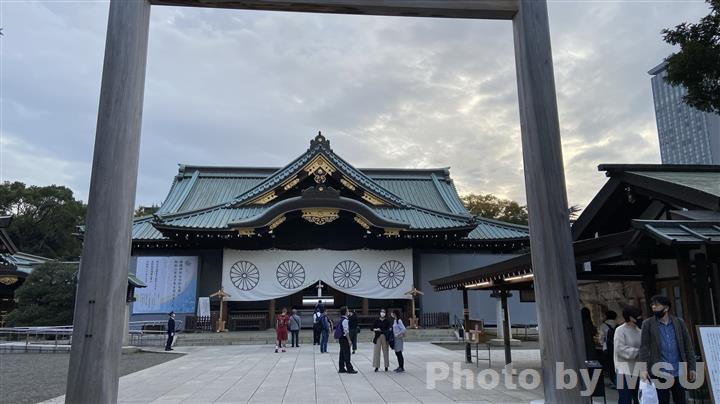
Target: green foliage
[(492, 207), (146, 210), (45, 219), (697, 65), (46, 298)]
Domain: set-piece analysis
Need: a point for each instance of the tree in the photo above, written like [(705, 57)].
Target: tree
[(492, 207), (574, 212), (146, 210), (45, 219), (47, 297), (697, 65)]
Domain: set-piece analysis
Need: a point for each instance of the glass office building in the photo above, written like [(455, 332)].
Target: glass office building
[(687, 136)]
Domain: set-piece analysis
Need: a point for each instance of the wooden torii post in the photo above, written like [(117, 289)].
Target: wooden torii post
[(220, 322), (413, 292)]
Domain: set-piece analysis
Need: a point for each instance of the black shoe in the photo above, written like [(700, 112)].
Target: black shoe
[(342, 371), (386, 368), (376, 369), (352, 372), (353, 352)]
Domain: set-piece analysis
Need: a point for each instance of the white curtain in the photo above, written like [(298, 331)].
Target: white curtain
[(270, 274)]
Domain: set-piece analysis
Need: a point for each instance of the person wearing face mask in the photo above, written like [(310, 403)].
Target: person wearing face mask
[(626, 344), (665, 340), (381, 327)]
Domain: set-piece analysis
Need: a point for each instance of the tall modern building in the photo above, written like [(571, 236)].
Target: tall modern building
[(687, 136)]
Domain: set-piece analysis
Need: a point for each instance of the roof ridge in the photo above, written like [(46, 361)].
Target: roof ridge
[(501, 223)]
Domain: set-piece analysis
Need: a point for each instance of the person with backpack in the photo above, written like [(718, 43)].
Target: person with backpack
[(398, 330), (317, 326), (342, 335), (324, 330), (295, 325), (381, 328), (607, 334)]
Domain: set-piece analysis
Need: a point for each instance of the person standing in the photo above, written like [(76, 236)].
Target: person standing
[(295, 325), (170, 331), (626, 345), (324, 330), (381, 327), (281, 329), (398, 329), (607, 332), (665, 340), (354, 328), (317, 326), (343, 336), (589, 332)]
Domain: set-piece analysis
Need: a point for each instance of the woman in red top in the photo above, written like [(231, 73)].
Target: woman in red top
[(281, 328)]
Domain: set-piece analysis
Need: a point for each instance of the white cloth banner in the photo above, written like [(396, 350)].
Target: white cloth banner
[(270, 274)]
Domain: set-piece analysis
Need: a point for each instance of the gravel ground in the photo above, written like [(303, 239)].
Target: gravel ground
[(35, 377)]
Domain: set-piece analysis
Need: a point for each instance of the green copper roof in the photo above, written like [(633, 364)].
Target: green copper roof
[(210, 198), (703, 181)]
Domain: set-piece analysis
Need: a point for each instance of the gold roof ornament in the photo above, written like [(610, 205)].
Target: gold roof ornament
[(8, 280), (320, 216)]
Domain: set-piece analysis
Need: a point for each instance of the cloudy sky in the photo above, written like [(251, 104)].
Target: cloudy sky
[(252, 88)]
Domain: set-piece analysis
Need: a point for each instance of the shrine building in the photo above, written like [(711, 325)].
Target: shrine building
[(275, 238)]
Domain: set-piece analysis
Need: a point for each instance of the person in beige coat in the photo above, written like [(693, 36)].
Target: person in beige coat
[(626, 343), (381, 327)]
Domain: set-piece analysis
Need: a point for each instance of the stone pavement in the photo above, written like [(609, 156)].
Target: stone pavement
[(255, 374)]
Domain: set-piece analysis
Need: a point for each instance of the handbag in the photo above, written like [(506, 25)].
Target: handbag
[(647, 394)]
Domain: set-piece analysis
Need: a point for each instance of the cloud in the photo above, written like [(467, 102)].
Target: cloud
[(251, 88)]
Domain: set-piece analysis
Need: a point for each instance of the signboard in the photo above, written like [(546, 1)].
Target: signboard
[(710, 344), (271, 274), (171, 285)]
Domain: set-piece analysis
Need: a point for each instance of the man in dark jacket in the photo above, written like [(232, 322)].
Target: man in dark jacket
[(666, 342), (354, 328), (170, 331)]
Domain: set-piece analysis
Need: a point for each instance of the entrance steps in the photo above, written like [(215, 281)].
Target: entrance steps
[(268, 337)]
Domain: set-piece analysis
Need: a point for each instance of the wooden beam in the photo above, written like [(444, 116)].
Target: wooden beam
[(472, 9), (93, 372), (561, 338)]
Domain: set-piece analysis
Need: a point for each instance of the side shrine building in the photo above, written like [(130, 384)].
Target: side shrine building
[(273, 238)]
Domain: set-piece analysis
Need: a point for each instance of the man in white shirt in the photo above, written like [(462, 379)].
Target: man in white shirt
[(345, 366)]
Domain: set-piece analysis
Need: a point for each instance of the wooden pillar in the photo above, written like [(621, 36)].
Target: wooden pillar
[(100, 302), (271, 313), (648, 284), (558, 307), (703, 290), (365, 306), (466, 320), (506, 326), (687, 292)]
